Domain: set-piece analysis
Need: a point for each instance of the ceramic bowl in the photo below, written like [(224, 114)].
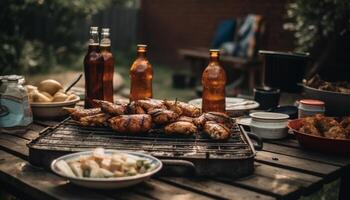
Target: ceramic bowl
[(52, 110), (109, 183), (269, 125)]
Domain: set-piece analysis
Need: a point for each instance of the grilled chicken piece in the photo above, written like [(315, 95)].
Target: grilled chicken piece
[(173, 107), (163, 116), (216, 131), (110, 108), (187, 109), (134, 108), (150, 104), (186, 119), (77, 113), (217, 117), (94, 120), (181, 128), (135, 123)]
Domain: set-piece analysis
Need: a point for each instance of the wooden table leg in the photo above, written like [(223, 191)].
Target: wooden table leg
[(344, 191)]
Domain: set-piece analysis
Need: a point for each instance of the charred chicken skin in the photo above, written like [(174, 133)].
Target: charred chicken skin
[(134, 108), (135, 123), (163, 116), (77, 113), (216, 131), (186, 109), (180, 128), (110, 108), (94, 120), (217, 117), (150, 104)]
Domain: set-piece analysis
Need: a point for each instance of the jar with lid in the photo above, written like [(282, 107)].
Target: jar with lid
[(15, 111), (310, 107)]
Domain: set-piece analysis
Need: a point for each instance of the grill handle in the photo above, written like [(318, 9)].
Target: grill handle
[(257, 139), (182, 163)]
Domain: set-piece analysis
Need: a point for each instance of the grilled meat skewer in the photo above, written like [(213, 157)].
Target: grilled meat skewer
[(110, 108), (135, 123), (180, 128), (134, 108), (77, 113), (216, 131), (94, 120), (163, 116), (186, 109), (217, 117)]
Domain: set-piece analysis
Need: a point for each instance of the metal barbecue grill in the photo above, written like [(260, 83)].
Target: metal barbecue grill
[(234, 157)]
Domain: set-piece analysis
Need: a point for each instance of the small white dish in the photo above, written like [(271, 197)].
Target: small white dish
[(52, 110), (269, 125), (109, 183), (234, 106)]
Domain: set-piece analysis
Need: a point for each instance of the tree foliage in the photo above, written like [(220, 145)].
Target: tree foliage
[(37, 33), (317, 20)]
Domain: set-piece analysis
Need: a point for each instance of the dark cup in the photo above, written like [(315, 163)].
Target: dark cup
[(267, 97)]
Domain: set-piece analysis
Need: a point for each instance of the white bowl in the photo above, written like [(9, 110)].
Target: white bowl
[(52, 110), (269, 125), (109, 183), (234, 106)]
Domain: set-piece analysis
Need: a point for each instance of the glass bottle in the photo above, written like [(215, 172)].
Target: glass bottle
[(108, 65), (141, 75), (15, 111), (93, 69), (214, 81)]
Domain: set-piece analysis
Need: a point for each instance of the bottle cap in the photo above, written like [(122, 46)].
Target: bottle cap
[(214, 52), (105, 32), (312, 102), (93, 29), (141, 47)]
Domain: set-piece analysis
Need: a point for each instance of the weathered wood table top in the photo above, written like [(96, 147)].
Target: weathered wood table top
[(283, 170)]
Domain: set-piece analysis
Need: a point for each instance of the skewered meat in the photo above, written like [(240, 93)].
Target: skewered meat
[(110, 108), (187, 109), (77, 113), (134, 108), (173, 107), (135, 123), (217, 117), (150, 104), (94, 120), (181, 128), (216, 131), (186, 119), (345, 123), (163, 116)]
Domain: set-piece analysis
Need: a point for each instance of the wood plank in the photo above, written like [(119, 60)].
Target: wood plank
[(38, 184), (215, 189), (277, 182), (14, 145), (307, 154), (160, 190), (293, 163)]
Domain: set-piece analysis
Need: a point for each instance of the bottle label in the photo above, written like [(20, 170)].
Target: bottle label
[(14, 112)]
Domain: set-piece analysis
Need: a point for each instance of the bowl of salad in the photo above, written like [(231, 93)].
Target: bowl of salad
[(106, 169)]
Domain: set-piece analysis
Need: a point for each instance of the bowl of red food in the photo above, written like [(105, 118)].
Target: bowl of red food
[(324, 134)]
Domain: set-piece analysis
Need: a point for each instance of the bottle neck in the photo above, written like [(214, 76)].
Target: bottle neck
[(214, 58), (93, 41), (141, 54)]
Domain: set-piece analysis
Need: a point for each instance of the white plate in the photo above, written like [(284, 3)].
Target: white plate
[(234, 106), (109, 183)]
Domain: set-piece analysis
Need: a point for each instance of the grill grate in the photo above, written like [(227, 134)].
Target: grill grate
[(69, 136)]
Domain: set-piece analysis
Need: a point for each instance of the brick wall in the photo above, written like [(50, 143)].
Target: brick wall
[(167, 25)]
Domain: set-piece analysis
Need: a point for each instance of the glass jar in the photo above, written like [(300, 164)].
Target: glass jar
[(15, 111)]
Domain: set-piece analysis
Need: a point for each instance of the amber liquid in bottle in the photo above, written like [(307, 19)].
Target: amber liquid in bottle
[(214, 81), (108, 65), (141, 75), (93, 69)]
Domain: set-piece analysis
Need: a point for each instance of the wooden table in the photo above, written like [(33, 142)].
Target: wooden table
[(282, 171)]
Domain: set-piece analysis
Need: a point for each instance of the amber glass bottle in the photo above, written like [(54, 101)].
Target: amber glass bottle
[(108, 65), (214, 81), (141, 75), (93, 69)]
